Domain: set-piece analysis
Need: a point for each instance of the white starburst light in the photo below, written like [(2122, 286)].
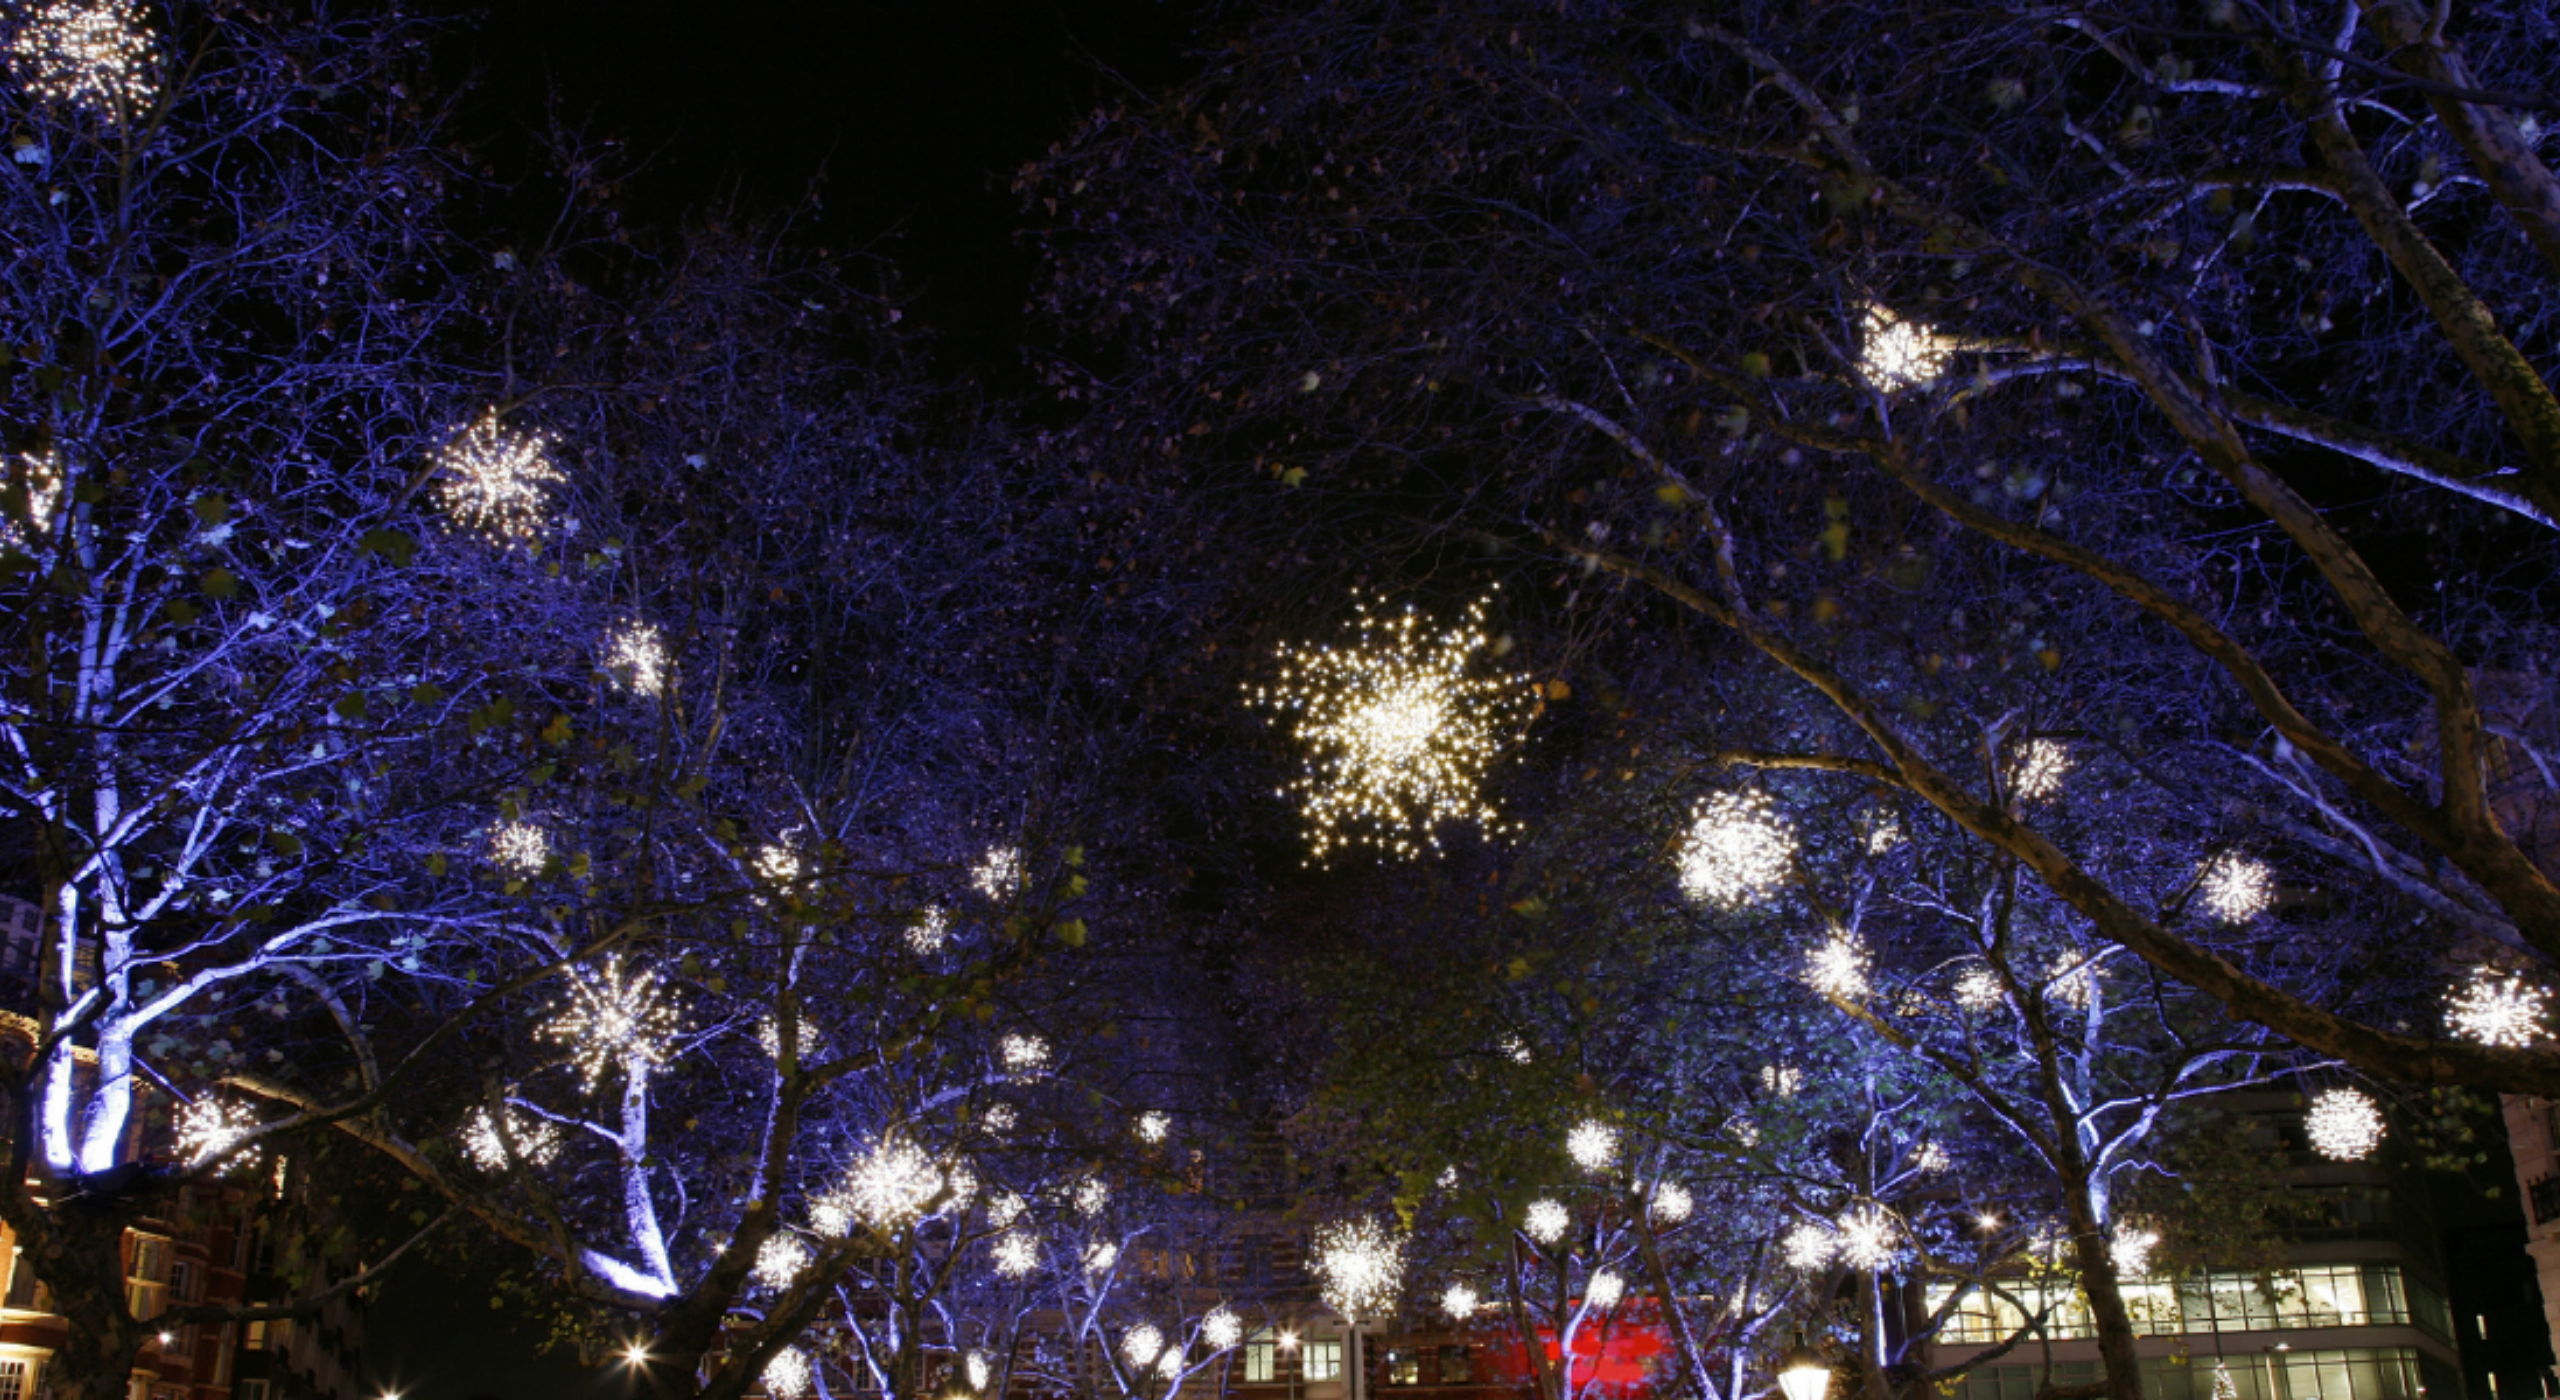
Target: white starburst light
[(2131, 1245), (41, 478), (1169, 1365), (2237, 889), (975, 1368), (787, 1376), (930, 931), (1895, 354), (1545, 1220), (2072, 979), (1978, 989), (1359, 1267), (1810, 1245), (779, 1260), (1221, 1329), (1459, 1301), (1738, 851), (999, 873), (519, 847), (1099, 1257), (896, 1181), (1399, 727), (1023, 1056), (1004, 1208), (1092, 1194), (94, 54), (1142, 1344), (1838, 968), (1592, 1145), (536, 1140), (1153, 1127), (2499, 1009), (2040, 767), (1672, 1203), (1605, 1289), (617, 1018), (2344, 1125), (1866, 1237), (209, 1127), (497, 483), (635, 655), (1017, 1253), (777, 864), (1000, 1118)]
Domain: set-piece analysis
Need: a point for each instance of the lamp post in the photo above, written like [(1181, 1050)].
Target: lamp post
[(1802, 1373)]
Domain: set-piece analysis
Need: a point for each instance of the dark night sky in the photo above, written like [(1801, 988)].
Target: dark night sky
[(917, 112)]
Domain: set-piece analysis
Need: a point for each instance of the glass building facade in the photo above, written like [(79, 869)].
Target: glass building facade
[(2210, 1305), (2346, 1373)]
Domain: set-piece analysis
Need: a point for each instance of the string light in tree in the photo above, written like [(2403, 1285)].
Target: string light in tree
[(2499, 1009), (779, 1260), (210, 1127), (1738, 850), (2132, 1245), (787, 1376), (1838, 968), (1000, 1118), (536, 1141), (1221, 1329), (1142, 1344), (616, 1018), (1399, 727), (2042, 764), (1895, 354), (519, 848), (1604, 1290), (497, 483), (1930, 1158), (94, 54), (2072, 979), (1153, 1127), (1017, 1253), (635, 655), (1092, 1194), (1781, 1081), (1592, 1145), (1978, 990), (930, 931), (1459, 1301), (1023, 1056), (2344, 1125), (1672, 1203), (1169, 1365), (41, 478), (1359, 1267), (896, 1180), (1099, 1257), (1545, 1220), (2236, 889), (975, 1368), (778, 864), (2224, 1388), (1810, 1245), (999, 873), (1866, 1238), (1004, 1208)]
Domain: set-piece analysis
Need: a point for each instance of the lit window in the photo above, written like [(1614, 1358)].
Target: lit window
[(1323, 1361), (1261, 1356), (1404, 1367)]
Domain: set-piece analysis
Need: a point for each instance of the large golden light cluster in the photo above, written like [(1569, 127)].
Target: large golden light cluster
[(1399, 725), (1739, 850), (616, 1019), (498, 483), (88, 53), (1896, 354), (1359, 1267), (210, 1127)]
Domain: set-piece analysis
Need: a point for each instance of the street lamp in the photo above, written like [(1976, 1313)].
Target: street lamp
[(1802, 1374)]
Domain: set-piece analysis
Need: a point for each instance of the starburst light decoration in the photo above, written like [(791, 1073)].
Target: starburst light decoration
[(1605, 1289), (1017, 1253), (616, 1018), (930, 931), (536, 1141), (1000, 1118), (1545, 1220), (999, 872), (1838, 969), (2224, 1388), (497, 483), (2237, 889), (2344, 1125), (2042, 764), (1152, 1126), (1459, 1301), (1978, 989), (2072, 979), (1099, 1257), (87, 53), (1592, 1145), (1781, 1081), (519, 847), (1672, 1203), (1142, 1344), (1092, 1194), (1895, 354), (1399, 727), (43, 482), (209, 1127), (779, 1260), (635, 655), (1004, 1208), (1169, 1365), (1866, 1238), (778, 864), (1810, 1245), (1023, 1056), (1359, 1267), (1930, 1158), (2131, 1245), (975, 1368), (831, 1215), (1221, 1329), (787, 1375), (2498, 1009), (896, 1180), (1884, 833), (1738, 851)]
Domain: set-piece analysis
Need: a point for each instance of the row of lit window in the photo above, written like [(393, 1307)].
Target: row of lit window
[(1322, 1361)]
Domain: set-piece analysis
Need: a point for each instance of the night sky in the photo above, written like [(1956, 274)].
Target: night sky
[(915, 113)]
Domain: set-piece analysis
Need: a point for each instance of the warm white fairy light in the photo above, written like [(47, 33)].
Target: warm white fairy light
[(999, 872), (896, 1180), (1017, 1253), (1545, 1220), (2072, 979), (1004, 1208), (1866, 1238), (2042, 764), (1221, 1329), (974, 1366), (1023, 1056), (536, 1141), (1810, 1245), (209, 1127), (1142, 1344), (41, 477), (89, 53), (1399, 726), (1515, 1049), (930, 931), (1896, 354), (1000, 1118), (1099, 1257), (635, 655), (1359, 1267), (1978, 989), (1169, 1365), (2344, 1125), (1447, 1180), (777, 864), (1930, 1158), (831, 1215), (497, 482), (1781, 1081), (1605, 1289), (1884, 832), (1672, 1203), (1152, 1126), (1738, 851), (1092, 1194), (2499, 1009), (1459, 1301), (1838, 968), (1592, 1145), (520, 847), (787, 1375), (2131, 1245), (779, 1260), (2236, 889), (616, 1019)]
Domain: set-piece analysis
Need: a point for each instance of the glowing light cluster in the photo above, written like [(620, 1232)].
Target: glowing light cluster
[(1099, 1257), (1142, 1344), (2041, 766), (615, 1019), (896, 1180), (1838, 969), (2498, 1009), (779, 1260), (2237, 889), (999, 872), (519, 847), (1092, 1195), (1017, 1253), (1545, 1220), (635, 655), (1930, 1158), (1004, 1208), (1896, 354), (778, 864), (1672, 1203), (1978, 989), (1169, 1365), (1221, 1329), (1459, 1301), (1000, 1118), (1399, 727), (930, 931), (975, 1368), (41, 478), (536, 1141), (1359, 1267), (1781, 1081), (1152, 1126), (1592, 1144), (209, 1127), (2132, 1245), (2072, 979), (1866, 1238), (88, 53), (497, 483), (1810, 1245), (1739, 850), (1023, 1056), (1605, 1289), (788, 1374), (2344, 1125)]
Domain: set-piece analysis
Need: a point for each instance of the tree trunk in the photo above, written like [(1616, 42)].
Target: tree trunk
[(2095, 1259), (84, 1266)]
